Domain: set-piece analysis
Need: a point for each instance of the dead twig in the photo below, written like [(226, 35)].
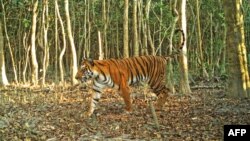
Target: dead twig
[(154, 115), (208, 87)]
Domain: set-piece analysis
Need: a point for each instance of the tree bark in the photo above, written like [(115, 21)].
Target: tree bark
[(160, 34), (135, 32), (45, 39), (170, 74), (117, 35), (147, 28), (125, 30), (101, 54), (56, 44), (64, 44), (34, 73), (3, 78), (199, 42), (238, 82), (72, 45), (8, 42), (104, 35), (184, 82)]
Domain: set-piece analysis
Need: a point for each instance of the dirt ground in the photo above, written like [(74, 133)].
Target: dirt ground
[(56, 113)]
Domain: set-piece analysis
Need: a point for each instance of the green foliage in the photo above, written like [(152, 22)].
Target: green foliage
[(19, 16), (26, 23)]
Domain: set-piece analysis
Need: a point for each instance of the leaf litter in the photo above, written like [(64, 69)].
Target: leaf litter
[(57, 114)]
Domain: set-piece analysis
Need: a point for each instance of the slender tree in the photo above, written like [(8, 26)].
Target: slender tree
[(238, 82), (45, 26), (56, 43), (117, 34), (147, 27), (184, 82), (199, 41), (101, 54), (72, 44), (87, 42), (3, 78), (160, 29), (104, 35), (170, 76), (8, 42), (125, 30), (34, 74), (64, 44), (135, 32)]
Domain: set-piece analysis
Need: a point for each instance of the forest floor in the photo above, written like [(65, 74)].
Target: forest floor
[(55, 114)]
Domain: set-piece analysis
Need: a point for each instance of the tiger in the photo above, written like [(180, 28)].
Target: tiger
[(123, 73)]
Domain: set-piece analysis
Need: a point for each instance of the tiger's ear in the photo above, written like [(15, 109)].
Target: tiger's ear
[(91, 61)]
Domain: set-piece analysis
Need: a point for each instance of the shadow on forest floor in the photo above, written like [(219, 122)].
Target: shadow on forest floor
[(55, 113)]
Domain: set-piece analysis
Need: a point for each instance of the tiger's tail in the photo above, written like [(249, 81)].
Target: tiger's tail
[(183, 39), (178, 50)]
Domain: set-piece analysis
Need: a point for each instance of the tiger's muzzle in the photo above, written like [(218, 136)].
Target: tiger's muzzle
[(83, 76)]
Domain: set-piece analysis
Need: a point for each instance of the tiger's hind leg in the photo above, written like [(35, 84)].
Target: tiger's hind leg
[(125, 93), (162, 98), (162, 93), (159, 88)]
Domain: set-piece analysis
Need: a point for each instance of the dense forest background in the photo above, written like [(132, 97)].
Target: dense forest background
[(154, 22)]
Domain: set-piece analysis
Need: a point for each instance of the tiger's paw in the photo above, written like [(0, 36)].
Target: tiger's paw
[(126, 113), (158, 107), (127, 110), (86, 115), (160, 102)]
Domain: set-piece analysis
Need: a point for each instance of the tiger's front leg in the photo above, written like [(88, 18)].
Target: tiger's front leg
[(95, 97)]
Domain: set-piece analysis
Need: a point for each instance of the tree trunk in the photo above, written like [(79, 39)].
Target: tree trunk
[(238, 82), (199, 41), (125, 30), (117, 35), (64, 44), (27, 52), (101, 54), (87, 29), (3, 78), (72, 45), (144, 30), (184, 82), (45, 39), (135, 33), (139, 21), (56, 45), (8, 41), (147, 28), (104, 37), (86, 13), (170, 74), (34, 74), (160, 29), (88, 41)]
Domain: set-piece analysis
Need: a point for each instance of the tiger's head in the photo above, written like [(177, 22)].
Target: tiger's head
[(85, 71)]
